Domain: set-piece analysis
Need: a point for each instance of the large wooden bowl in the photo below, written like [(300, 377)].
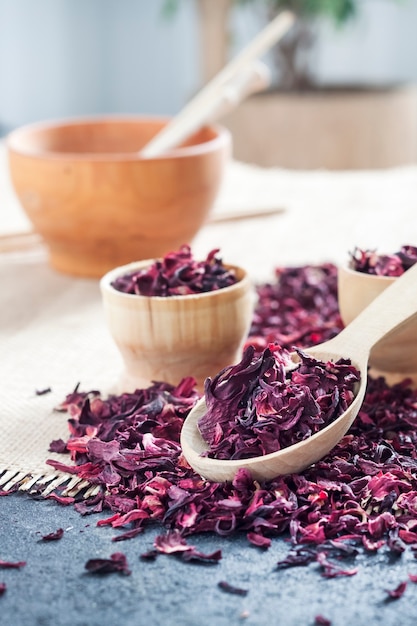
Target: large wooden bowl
[(98, 204), (395, 357), (169, 338)]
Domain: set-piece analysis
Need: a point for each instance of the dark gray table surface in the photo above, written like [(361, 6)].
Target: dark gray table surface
[(54, 589)]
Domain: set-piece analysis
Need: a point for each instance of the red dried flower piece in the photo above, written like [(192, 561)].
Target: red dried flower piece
[(58, 445), (11, 564), (54, 536), (3, 588), (116, 563), (228, 588), (259, 540), (331, 570), (64, 500), (396, 593), (173, 543)]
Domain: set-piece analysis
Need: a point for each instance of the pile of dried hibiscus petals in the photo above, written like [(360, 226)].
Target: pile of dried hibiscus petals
[(363, 495)]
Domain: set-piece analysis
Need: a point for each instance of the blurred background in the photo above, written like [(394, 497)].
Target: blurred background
[(65, 58)]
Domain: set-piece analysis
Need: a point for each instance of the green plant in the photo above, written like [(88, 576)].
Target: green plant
[(338, 10), (292, 55)]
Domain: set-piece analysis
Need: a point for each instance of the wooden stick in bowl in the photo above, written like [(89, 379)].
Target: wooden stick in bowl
[(194, 113)]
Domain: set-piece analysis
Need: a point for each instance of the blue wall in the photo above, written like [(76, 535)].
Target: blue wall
[(62, 58)]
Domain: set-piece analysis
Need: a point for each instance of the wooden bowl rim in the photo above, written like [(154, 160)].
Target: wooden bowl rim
[(109, 277), (15, 141)]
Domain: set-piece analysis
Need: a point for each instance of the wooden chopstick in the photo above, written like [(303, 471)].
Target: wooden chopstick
[(231, 216), (19, 242), (28, 240)]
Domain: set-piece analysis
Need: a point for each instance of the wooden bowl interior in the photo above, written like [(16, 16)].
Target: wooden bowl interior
[(356, 290), (98, 137)]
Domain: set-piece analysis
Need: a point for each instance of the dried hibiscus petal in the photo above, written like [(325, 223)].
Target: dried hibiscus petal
[(173, 543), (116, 563), (64, 500), (396, 593), (58, 445), (3, 588), (54, 536), (268, 402), (11, 564), (228, 588), (178, 274), (331, 570)]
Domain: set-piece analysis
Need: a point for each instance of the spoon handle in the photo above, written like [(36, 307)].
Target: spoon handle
[(392, 308)]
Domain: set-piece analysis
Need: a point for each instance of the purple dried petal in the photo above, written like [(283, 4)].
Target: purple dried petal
[(202, 557), (150, 555), (259, 540), (64, 500), (173, 543), (54, 536), (11, 564), (129, 534), (331, 570), (58, 445), (396, 593), (320, 620), (116, 563), (3, 588), (228, 588)]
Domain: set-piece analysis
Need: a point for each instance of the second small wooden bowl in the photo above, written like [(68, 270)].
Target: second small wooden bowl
[(396, 356), (169, 338)]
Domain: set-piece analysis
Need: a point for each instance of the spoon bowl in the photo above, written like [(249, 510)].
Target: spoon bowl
[(393, 308)]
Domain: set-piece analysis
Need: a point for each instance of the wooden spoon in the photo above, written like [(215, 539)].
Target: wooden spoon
[(390, 310)]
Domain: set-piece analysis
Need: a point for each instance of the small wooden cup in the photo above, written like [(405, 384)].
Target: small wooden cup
[(395, 357), (169, 338)]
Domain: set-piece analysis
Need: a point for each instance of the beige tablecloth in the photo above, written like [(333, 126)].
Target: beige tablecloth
[(52, 331)]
